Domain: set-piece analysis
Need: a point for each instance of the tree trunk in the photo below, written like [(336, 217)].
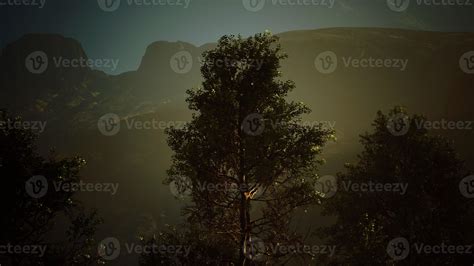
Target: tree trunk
[(243, 227)]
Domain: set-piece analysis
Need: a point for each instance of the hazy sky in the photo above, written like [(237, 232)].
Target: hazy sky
[(125, 32)]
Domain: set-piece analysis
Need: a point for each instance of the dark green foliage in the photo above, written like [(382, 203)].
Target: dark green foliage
[(432, 211), (272, 173), (31, 221)]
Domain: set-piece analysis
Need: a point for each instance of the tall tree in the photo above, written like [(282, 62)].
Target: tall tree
[(246, 158), (29, 213), (433, 211)]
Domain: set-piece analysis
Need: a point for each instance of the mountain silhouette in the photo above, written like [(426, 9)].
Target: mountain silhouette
[(72, 99)]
